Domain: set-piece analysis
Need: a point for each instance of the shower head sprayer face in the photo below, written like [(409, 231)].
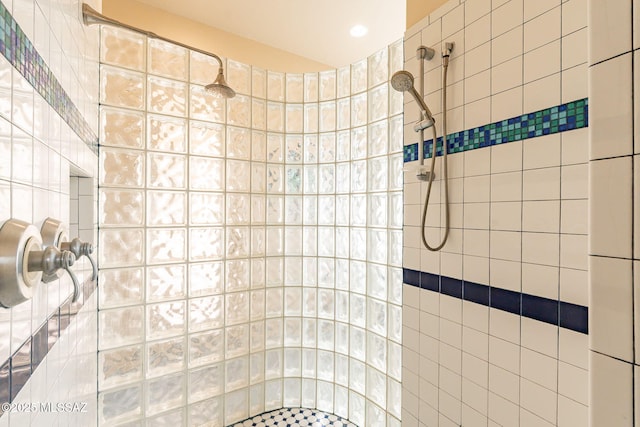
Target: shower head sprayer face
[(220, 86), (402, 81)]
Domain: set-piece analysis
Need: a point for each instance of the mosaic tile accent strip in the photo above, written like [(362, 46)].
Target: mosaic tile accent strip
[(17, 369), (293, 417), (20, 52), (561, 118), (555, 312)]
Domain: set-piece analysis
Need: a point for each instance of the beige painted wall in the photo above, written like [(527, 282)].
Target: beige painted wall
[(418, 9), (207, 38)]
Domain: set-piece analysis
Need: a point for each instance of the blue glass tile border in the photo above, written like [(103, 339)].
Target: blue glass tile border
[(17, 369), (20, 52), (560, 118), (563, 314)]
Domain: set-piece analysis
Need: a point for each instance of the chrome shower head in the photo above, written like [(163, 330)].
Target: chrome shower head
[(220, 86), (402, 81)]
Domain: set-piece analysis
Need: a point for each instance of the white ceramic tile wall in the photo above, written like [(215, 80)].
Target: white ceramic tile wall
[(613, 212), (518, 222), (38, 153)]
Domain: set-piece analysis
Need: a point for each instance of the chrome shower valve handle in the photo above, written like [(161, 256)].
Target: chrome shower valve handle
[(50, 261), (79, 249)]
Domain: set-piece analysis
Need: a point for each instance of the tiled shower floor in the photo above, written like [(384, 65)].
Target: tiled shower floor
[(293, 417)]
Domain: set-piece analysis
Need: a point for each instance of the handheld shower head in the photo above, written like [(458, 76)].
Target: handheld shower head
[(402, 81), (220, 86)]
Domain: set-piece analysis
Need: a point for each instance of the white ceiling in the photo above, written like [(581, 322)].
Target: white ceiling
[(315, 29)]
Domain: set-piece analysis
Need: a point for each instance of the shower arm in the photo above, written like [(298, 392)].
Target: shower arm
[(91, 16)]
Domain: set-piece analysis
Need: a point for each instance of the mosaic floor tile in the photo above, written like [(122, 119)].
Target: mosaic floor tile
[(293, 417)]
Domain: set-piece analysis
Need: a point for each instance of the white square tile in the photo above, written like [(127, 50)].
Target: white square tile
[(477, 188), (535, 8), (476, 9), (505, 326), (541, 216), (453, 21), (574, 16), (476, 216), (611, 108), (542, 152), (636, 307), (572, 413), (505, 245), (478, 32), (539, 336), (542, 93), (541, 184), (529, 419), (506, 17), (636, 102), (506, 216), (477, 86), (506, 187), (574, 348), (506, 157), (540, 280), (574, 215), (611, 307), (574, 49), (573, 251), (477, 59), (573, 382), (610, 20), (610, 207), (574, 286), (542, 29), (539, 368), (476, 269), (574, 83), (507, 104), (477, 113), (504, 412), (575, 146), (542, 61), (505, 274), (504, 383), (475, 396), (541, 248), (611, 391), (506, 75)]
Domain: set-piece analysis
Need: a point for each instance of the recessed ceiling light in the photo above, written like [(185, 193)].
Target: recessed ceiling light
[(358, 30)]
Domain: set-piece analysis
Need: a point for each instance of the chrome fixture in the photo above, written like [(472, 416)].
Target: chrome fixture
[(23, 262), (219, 87), (55, 234), (403, 81)]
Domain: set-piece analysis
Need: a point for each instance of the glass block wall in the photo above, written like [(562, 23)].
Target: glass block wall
[(251, 248)]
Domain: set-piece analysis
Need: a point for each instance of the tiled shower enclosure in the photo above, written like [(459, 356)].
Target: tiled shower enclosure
[(250, 248)]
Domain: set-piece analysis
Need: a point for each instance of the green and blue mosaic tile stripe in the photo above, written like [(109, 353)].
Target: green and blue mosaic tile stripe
[(20, 52), (561, 118)]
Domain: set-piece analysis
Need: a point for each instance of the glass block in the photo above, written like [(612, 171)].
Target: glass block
[(165, 319), (166, 282), (206, 139), (166, 245), (166, 96), (121, 287), (167, 59), (378, 174), (258, 114), (206, 173), (202, 68), (275, 209), (342, 208), (395, 285), (121, 207), (396, 175), (394, 255), (326, 272), (238, 209), (394, 406), (164, 357), (206, 382), (293, 240), (358, 310), (165, 393), (275, 86), (273, 364), (256, 340), (326, 303), (395, 361), (327, 116), (309, 241), (342, 242), (121, 248), (275, 241), (237, 341), (326, 210), (327, 179), (166, 170), (356, 408), (256, 368), (377, 210), (342, 273), (258, 180), (377, 281), (205, 244), (206, 347), (343, 113), (239, 76), (238, 143), (205, 279), (327, 147), (376, 388), (121, 128), (293, 271), (310, 179), (377, 249), (327, 85), (311, 87), (310, 210), (275, 148), (310, 148), (344, 81), (274, 303), (359, 143), (378, 66), (121, 168), (310, 271), (326, 335), (293, 332), (294, 180), (292, 391), (358, 210), (395, 323), (310, 118), (294, 148), (236, 406), (274, 272), (238, 242), (166, 208), (205, 105), (359, 110), (326, 241), (377, 316), (377, 352), (357, 376), (359, 76), (237, 275), (258, 82), (396, 102), (295, 87), (122, 47), (378, 141), (309, 333), (206, 313), (208, 411), (273, 394), (358, 176), (206, 208), (343, 148), (120, 405), (341, 307), (237, 308), (258, 271), (238, 175), (121, 88), (239, 111), (166, 134), (119, 366)]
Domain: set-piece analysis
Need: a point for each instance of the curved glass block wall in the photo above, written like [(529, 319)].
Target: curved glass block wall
[(250, 248)]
